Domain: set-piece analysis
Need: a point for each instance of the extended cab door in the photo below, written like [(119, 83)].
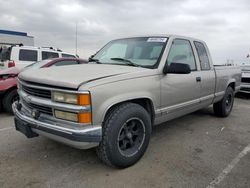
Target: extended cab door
[(207, 74), (180, 93)]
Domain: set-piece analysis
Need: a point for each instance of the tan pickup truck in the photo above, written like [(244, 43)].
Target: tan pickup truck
[(128, 86)]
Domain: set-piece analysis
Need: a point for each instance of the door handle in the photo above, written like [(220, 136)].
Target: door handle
[(198, 79)]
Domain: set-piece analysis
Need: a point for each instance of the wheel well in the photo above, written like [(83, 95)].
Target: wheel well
[(232, 85), (146, 103), (10, 89)]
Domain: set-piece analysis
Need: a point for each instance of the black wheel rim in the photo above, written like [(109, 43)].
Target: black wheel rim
[(131, 137), (229, 102)]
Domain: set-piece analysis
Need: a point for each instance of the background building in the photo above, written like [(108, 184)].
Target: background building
[(15, 37)]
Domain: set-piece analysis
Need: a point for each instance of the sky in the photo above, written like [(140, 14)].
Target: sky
[(223, 24)]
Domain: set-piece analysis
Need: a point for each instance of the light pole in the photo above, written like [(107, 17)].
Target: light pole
[(76, 38)]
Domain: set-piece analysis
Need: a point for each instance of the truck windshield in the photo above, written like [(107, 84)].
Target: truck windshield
[(5, 53), (139, 51)]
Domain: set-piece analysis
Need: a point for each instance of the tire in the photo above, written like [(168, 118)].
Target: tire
[(8, 99), (126, 135), (1, 105), (224, 107)]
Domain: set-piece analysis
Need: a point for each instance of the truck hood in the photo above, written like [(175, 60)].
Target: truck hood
[(75, 75)]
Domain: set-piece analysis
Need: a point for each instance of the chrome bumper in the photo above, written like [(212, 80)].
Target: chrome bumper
[(80, 137), (245, 87)]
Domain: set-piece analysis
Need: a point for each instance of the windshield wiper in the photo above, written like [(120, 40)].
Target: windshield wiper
[(94, 60), (127, 62)]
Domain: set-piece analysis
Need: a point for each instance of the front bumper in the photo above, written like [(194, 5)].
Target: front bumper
[(82, 138), (245, 87)]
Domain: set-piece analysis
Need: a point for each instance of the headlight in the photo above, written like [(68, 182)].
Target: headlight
[(82, 99), (71, 98)]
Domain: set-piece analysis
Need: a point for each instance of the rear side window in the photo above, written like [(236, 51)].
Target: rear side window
[(203, 57), (27, 55), (49, 55), (67, 62), (68, 55)]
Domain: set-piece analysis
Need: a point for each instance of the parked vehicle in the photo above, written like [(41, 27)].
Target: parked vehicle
[(8, 88), (131, 85), (8, 78), (245, 80), (56, 62), (21, 56)]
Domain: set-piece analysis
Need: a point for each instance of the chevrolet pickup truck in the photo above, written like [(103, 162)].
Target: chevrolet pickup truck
[(128, 86)]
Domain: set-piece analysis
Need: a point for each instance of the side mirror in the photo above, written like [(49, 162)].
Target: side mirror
[(177, 68)]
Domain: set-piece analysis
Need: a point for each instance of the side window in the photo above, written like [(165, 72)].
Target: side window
[(67, 62), (27, 55), (68, 55), (181, 52), (49, 55), (203, 57)]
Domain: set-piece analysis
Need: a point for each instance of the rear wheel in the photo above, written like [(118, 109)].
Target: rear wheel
[(126, 134), (224, 107), (8, 100)]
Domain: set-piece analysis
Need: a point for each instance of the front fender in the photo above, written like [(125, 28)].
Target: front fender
[(8, 84), (105, 96)]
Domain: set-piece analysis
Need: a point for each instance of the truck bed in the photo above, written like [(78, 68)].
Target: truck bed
[(226, 74)]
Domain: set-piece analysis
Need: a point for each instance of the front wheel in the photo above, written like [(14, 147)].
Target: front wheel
[(126, 135), (224, 107), (9, 99)]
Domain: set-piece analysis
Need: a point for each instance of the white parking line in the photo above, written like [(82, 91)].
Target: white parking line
[(229, 167), (5, 129)]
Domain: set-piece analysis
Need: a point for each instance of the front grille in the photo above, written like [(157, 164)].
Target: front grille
[(42, 109), (245, 80), (37, 92)]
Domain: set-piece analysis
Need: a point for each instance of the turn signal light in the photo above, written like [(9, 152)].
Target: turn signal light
[(85, 117), (84, 99)]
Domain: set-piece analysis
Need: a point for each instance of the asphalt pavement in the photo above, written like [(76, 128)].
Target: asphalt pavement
[(197, 150)]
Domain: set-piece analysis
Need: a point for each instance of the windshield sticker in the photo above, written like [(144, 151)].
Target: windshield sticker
[(157, 39)]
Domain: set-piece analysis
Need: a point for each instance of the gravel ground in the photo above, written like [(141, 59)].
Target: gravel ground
[(191, 151)]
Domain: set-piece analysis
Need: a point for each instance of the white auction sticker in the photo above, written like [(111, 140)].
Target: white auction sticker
[(157, 39)]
